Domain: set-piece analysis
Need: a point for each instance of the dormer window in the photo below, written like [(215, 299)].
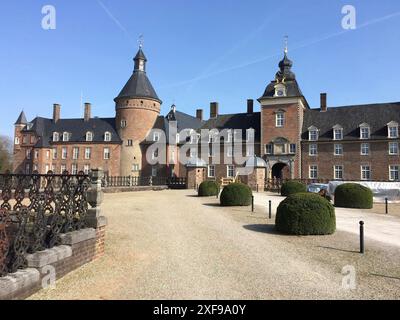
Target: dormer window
[(393, 130), (312, 134), (89, 136), (364, 131), (56, 137), (107, 136), (65, 136), (337, 133)]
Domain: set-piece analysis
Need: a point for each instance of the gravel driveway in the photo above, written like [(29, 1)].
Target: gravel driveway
[(173, 245)]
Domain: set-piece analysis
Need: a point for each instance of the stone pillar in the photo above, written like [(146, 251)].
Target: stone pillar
[(194, 176), (257, 177), (94, 218)]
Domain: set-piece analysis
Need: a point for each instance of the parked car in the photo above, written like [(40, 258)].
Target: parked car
[(317, 187)]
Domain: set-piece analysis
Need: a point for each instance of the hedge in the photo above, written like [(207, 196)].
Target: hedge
[(291, 187), (353, 195), (208, 189), (305, 214), (236, 194)]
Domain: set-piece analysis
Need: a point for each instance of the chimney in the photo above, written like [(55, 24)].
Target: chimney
[(56, 112), (213, 109), (88, 112), (324, 106), (199, 114), (250, 105)]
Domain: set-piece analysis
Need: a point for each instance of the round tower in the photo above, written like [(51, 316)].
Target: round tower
[(137, 108)]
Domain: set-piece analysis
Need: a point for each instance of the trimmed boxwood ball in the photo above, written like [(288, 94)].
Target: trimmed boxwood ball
[(292, 187), (305, 214), (208, 189), (354, 195), (236, 194)]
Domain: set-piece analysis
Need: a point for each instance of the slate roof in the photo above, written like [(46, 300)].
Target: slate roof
[(350, 118), (292, 89), (241, 121), (44, 129), (21, 119)]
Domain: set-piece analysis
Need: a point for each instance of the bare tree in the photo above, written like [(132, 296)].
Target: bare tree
[(5, 153)]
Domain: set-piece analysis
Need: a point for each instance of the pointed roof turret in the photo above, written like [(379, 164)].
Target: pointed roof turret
[(139, 85), (21, 119)]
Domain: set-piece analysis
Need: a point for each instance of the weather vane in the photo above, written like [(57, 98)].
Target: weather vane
[(141, 41), (286, 44)]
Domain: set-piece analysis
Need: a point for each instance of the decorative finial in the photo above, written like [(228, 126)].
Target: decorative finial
[(141, 41), (286, 44)]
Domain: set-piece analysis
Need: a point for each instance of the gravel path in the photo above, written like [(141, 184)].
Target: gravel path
[(173, 245)]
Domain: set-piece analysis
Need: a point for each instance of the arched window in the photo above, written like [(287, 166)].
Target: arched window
[(107, 136), (56, 137), (65, 136), (89, 136)]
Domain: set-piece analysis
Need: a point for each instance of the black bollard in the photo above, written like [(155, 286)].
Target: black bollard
[(252, 203), (386, 206), (270, 209), (362, 249)]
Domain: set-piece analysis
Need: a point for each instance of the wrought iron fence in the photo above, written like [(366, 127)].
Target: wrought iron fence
[(276, 184), (34, 210)]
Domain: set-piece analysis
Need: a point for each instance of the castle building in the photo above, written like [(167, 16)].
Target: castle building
[(291, 139)]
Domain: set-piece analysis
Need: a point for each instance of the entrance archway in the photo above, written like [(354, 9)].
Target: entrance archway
[(280, 171)]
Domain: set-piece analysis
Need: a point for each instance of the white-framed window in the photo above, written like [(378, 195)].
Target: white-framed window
[(338, 172), (28, 154), (55, 153), (313, 134), (393, 130), (394, 173), (16, 141), (74, 168), (230, 171), (338, 133), (27, 168), (135, 167), (89, 136), (56, 137), (393, 148), (229, 151), (268, 149), (86, 168), (154, 171), (129, 142), (292, 148), (107, 136), (211, 171), (338, 149), (313, 172), (156, 136), (279, 119), (66, 136), (75, 153), (88, 153), (64, 153), (123, 123), (364, 133), (313, 150), (365, 172), (106, 153), (63, 168), (364, 149)]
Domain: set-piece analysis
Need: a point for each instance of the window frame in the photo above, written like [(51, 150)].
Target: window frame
[(335, 171), (310, 148), (310, 169), (209, 175), (390, 172), (280, 119)]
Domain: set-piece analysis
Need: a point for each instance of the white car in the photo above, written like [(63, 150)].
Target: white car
[(317, 187)]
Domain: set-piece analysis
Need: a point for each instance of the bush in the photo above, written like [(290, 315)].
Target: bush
[(353, 195), (236, 194), (208, 189), (291, 187), (305, 214)]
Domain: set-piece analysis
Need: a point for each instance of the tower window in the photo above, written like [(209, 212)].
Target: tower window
[(280, 120), (123, 123)]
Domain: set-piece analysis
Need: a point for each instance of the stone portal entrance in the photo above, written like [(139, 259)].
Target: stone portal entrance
[(280, 171)]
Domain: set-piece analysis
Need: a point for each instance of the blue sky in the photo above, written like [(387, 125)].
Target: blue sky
[(198, 50)]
